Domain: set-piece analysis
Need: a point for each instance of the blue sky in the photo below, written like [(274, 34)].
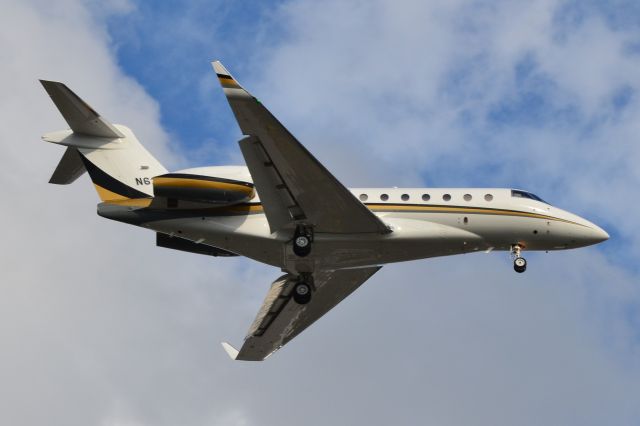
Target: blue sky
[(539, 95), (167, 48)]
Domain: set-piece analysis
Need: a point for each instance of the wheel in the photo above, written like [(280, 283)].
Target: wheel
[(302, 293), (302, 241), (520, 264), (301, 245)]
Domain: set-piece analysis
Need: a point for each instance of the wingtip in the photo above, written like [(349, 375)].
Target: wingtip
[(48, 83), (230, 350), (219, 68)]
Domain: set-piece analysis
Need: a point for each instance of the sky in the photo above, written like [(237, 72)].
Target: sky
[(100, 327)]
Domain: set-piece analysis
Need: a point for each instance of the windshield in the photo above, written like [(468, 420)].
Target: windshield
[(524, 194)]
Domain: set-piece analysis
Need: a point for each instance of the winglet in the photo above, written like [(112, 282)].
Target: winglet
[(229, 84), (230, 350)]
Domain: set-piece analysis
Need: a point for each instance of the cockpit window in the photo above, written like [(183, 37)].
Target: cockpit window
[(524, 194)]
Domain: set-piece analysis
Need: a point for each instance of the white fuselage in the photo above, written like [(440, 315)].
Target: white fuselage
[(425, 222)]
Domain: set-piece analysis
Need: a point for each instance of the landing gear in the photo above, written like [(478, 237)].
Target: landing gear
[(519, 262), (302, 293), (302, 241)]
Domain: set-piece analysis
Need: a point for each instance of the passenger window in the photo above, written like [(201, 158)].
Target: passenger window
[(384, 197), (405, 197), (446, 197), (467, 197), (364, 197), (488, 197), (426, 197)]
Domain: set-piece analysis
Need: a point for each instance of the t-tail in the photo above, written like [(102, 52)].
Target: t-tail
[(119, 166)]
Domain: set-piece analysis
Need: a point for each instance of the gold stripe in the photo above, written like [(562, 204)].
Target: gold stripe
[(456, 209), (106, 195), (257, 208), (201, 184), (225, 82)]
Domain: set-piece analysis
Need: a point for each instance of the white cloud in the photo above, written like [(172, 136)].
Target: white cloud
[(364, 84), (97, 325)]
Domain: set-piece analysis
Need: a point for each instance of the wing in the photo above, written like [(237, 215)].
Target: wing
[(280, 319), (294, 187)]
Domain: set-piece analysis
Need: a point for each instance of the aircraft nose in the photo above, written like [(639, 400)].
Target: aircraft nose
[(591, 234), (598, 234), (582, 233)]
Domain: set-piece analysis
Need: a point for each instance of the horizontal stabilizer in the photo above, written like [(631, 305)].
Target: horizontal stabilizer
[(230, 350), (79, 115), (69, 168)]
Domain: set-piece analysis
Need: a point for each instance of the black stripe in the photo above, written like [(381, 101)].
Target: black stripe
[(110, 183), (228, 77), (207, 178)]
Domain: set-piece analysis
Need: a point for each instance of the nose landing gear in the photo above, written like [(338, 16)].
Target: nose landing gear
[(519, 262)]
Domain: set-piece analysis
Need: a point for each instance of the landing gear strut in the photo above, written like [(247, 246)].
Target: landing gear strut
[(302, 241), (519, 262)]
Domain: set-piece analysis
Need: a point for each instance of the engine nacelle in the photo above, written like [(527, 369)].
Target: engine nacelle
[(201, 189)]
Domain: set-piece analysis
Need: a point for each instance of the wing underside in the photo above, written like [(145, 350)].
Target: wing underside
[(280, 318), (294, 186)]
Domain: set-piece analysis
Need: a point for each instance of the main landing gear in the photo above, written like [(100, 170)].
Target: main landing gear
[(519, 262), (302, 241), (302, 292)]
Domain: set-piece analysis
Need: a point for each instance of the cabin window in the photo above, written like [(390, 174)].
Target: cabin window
[(446, 197), (364, 197), (488, 197), (405, 197), (467, 197), (426, 197), (384, 197)]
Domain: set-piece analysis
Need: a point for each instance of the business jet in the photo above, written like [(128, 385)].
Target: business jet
[(287, 210)]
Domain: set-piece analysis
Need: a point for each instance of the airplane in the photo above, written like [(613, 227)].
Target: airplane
[(285, 209)]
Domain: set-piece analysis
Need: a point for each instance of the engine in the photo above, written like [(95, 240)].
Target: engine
[(211, 186)]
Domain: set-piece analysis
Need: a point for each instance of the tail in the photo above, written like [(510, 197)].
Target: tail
[(119, 166)]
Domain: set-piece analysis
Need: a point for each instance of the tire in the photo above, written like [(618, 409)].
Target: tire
[(301, 241), (301, 245), (302, 293), (519, 265)]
